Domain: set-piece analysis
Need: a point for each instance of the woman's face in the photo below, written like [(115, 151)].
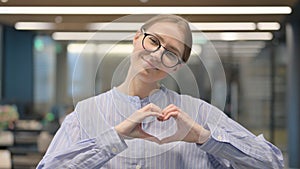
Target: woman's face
[(147, 65)]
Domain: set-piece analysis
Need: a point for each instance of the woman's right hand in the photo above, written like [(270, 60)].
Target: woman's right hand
[(132, 126)]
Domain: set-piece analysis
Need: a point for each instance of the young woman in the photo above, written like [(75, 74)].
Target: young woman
[(141, 124)]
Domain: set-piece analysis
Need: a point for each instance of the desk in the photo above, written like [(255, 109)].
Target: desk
[(5, 159), (6, 138)]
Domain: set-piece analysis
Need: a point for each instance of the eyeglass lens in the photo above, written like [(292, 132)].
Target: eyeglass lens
[(152, 44)]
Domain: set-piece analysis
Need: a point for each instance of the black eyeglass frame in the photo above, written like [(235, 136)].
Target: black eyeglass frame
[(179, 60)]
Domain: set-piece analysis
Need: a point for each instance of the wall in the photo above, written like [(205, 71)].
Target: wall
[(18, 68)]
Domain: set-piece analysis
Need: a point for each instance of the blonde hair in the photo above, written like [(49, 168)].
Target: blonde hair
[(184, 24)]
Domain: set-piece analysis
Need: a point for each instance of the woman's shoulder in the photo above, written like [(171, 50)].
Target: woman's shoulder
[(95, 99), (182, 97)]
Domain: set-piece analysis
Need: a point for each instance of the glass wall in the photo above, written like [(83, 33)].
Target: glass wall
[(256, 80), (253, 93), (1, 53), (44, 54)]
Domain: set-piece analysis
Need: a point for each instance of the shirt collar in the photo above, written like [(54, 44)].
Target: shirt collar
[(137, 100), (126, 104)]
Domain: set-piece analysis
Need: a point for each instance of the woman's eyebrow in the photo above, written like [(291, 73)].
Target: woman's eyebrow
[(159, 37), (170, 46), (175, 49)]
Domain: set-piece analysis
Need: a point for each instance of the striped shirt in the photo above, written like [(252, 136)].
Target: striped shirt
[(87, 138)]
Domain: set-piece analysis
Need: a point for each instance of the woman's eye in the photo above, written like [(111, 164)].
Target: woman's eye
[(154, 41), (173, 54)]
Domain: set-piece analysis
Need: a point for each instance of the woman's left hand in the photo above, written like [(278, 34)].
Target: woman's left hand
[(187, 129)]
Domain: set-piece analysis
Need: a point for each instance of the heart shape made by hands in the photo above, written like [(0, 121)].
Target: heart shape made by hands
[(181, 127)]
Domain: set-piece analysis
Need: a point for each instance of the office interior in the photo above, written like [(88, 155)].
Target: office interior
[(246, 63)]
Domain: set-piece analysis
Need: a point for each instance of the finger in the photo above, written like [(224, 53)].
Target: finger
[(153, 139), (138, 116), (170, 108), (160, 118), (171, 114), (151, 113), (149, 137), (169, 139), (151, 107)]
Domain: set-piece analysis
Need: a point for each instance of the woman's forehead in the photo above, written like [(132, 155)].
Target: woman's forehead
[(167, 30)]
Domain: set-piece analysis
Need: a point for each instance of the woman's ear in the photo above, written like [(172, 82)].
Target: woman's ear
[(136, 36)]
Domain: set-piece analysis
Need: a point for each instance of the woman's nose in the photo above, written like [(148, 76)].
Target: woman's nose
[(157, 54)]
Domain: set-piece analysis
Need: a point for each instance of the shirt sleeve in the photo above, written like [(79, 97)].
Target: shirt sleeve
[(231, 145), (68, 150)]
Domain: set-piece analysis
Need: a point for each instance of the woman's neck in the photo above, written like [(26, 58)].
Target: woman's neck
[(133, 86), (137, 89)]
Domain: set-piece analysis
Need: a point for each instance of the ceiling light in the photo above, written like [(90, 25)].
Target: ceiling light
[(233, 36), (223, 26), (114, 48), (81, 48), (105, 48), (127, 36), (93, 36), (34, 25), (196, 26), (243, 44), (133, 26), (145, 10), (58, 19), (268, 26), (114, 26)]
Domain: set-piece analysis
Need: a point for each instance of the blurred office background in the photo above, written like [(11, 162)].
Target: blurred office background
[(51, 58)]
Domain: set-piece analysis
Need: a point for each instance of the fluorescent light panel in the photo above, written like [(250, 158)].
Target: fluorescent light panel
[(99, 48), (194, 26), (223, 26), (233, 36), (81, 48), (228, 51), (114, 26), (238, 45), (146, 10), (35, 26), (96, 36), (119, 36), (114, 48), (268, 26), (133, 26)]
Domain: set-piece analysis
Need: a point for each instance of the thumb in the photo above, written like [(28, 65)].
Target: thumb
[(149, 137), (169, 139)]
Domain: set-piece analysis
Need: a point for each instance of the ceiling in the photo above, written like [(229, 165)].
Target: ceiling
[(77, 22)]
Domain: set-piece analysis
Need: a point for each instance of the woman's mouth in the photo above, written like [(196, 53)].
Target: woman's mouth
[(150, 64)]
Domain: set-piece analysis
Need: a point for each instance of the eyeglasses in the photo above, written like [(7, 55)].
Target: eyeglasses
[(152, 44)]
